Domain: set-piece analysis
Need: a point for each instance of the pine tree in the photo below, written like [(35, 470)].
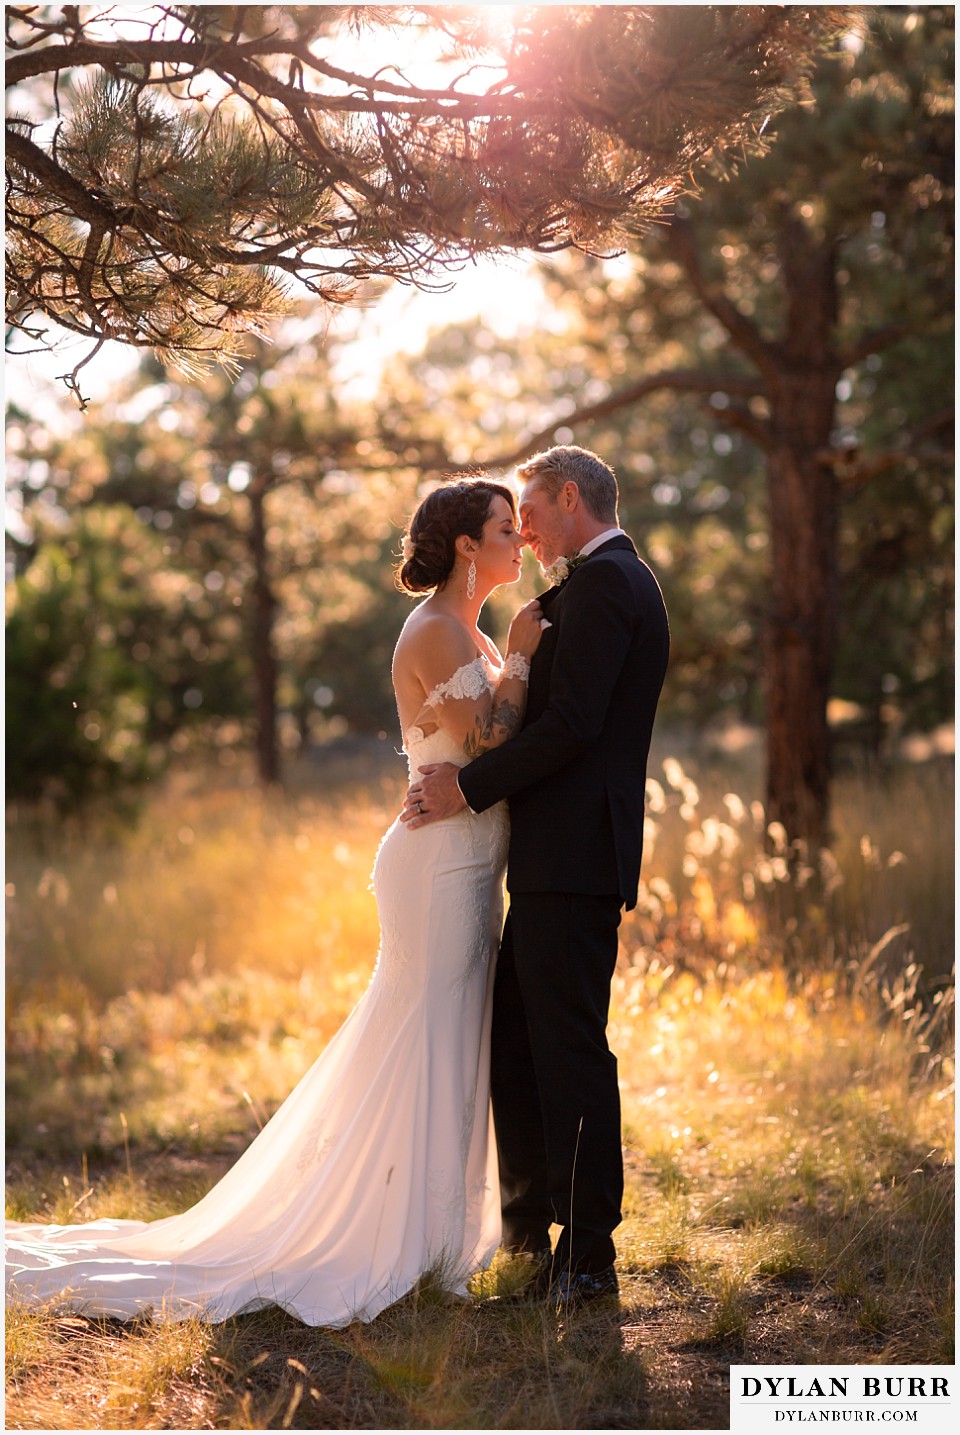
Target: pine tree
[(171, 171)]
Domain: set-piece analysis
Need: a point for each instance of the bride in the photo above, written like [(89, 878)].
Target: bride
[(380, 1165)]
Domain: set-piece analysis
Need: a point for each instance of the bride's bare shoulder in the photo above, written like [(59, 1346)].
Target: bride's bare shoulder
[(432, 640)]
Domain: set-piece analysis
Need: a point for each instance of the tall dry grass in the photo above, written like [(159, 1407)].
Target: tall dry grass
[(218, 878), (783, 1031)]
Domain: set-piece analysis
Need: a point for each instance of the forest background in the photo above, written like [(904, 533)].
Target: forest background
[(203, 745), (205, 561)]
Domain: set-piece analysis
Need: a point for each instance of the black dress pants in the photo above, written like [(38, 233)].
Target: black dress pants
[(556, 1102)]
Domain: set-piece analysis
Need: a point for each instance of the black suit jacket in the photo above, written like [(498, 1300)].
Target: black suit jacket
[(575, 774)]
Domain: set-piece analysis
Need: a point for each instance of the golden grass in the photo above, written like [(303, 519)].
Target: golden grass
[(210, 880), (788, 1126)]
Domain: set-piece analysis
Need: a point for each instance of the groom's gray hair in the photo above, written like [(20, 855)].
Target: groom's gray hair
[(566, 463)]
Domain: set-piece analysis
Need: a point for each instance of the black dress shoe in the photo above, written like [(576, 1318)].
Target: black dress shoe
[(573, 1288)]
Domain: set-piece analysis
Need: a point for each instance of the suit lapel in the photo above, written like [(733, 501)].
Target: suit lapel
[(550, 595)]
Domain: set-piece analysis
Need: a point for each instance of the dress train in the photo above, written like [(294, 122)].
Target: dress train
[(381, 1163)]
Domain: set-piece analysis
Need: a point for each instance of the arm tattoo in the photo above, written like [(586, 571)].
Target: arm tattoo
[(506, 717), (494, 728)]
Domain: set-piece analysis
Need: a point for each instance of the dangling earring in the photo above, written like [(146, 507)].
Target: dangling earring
[(471, 579)]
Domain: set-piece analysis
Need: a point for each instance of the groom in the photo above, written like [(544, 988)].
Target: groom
[(575, 776)]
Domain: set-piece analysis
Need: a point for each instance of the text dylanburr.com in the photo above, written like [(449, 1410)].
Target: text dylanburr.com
[(766, 1398)]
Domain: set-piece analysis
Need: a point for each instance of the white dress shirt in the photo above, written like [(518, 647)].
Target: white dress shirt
[(603, 537)]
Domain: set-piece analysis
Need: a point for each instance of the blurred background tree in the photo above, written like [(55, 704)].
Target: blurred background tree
[(243, 487)]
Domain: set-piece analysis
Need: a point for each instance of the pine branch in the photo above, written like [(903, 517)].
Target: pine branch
[(693, 381), (238, 62), (853, 469), (35, 161), (734, 416), (590, 135), (871, 343), (681, 241)]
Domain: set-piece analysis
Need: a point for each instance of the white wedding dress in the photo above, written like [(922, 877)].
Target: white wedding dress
[(380, 1165)]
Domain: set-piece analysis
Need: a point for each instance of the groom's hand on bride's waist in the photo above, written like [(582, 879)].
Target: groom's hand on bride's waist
[(433, 795)]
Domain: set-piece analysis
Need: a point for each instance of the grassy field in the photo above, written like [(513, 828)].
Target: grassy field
[(784, 1035)]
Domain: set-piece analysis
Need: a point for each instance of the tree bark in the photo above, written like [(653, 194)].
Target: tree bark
[(801, 629), (265, 665), (800, 638)]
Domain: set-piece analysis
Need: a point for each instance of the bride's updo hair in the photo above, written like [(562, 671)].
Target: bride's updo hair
[(457, 508)]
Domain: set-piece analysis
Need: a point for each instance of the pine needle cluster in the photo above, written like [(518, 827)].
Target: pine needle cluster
[(173, 172)]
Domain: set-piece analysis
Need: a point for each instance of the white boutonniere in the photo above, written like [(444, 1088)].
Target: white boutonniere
[(561, 568)]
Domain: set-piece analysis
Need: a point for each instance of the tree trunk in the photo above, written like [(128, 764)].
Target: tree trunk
[(801, 628), (265, 666), (797, 374), (800, 638)]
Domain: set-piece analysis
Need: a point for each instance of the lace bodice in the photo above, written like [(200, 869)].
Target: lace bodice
[(470, 681)]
